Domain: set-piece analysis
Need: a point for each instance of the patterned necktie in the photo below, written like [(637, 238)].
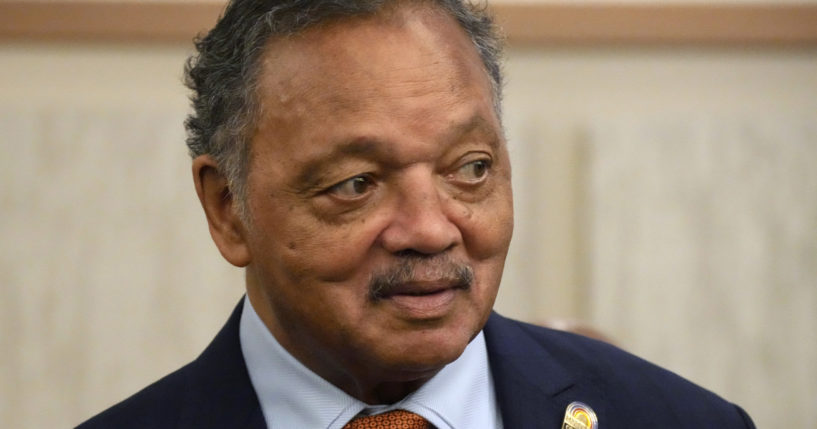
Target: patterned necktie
[(397, 419)]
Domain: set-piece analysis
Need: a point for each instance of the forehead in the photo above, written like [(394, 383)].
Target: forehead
[(401, 76), (408, 48)]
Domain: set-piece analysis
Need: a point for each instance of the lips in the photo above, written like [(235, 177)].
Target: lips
[(432, 305), (421, 282), (424, 300), (422, 288)]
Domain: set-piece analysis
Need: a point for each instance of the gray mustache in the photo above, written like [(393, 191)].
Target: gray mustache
[(405, 270)]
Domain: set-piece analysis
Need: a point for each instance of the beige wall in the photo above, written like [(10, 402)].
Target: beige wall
[(695, 163)]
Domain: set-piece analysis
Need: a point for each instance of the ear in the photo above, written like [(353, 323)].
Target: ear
[(226, 227)]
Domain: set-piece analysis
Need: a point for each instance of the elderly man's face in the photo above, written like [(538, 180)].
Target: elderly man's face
[(380, 195)]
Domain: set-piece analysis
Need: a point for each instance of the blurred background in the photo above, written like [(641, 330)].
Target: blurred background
[(665, 173)]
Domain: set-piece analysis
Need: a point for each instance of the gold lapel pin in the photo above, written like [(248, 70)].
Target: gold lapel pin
[(580, 416)]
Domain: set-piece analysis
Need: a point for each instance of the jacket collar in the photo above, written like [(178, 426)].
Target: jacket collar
[(219, 391), (532, 386)]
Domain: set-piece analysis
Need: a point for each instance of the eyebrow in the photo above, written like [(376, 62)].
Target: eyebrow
[(479, 124), (370, 148), (312, 173)]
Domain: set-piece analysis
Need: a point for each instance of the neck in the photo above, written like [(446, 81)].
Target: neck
[(374, 386), (386, 393)]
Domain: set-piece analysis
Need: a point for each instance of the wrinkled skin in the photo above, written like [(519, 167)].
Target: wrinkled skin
[(377, 154)]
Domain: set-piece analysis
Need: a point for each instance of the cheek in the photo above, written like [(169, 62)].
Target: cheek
[(487, 226), (331, 253)]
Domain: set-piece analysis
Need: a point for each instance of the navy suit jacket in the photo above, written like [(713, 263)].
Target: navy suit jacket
[(537, 372)]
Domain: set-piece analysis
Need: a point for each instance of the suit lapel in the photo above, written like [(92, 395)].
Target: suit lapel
[(533, 388), (219, 391)]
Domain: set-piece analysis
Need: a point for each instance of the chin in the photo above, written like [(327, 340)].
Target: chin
[(429, 351)]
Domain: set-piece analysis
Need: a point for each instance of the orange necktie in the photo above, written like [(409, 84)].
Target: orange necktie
[(397, 419)]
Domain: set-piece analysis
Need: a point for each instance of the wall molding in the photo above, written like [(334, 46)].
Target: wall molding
[(678, 23), (524, 24)]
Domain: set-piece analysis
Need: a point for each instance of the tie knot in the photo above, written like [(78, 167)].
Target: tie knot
[(397, 419)]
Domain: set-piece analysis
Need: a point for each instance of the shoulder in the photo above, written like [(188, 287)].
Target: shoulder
[(632, 387), (156, 406), (213, 391)]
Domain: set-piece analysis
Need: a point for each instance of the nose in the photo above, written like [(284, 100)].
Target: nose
[(420, 220)]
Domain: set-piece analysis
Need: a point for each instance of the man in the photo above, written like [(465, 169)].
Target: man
[(350, 155)]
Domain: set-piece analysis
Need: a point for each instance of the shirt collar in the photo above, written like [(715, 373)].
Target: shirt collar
[(460, 396)]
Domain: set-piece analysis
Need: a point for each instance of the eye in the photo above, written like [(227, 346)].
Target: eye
[(352, 188), (473, 172)]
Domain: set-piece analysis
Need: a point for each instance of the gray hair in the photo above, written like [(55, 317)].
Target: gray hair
[(223, 75)]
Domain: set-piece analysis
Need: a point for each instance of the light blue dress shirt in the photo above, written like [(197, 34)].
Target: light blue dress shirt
[(460, 396)]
